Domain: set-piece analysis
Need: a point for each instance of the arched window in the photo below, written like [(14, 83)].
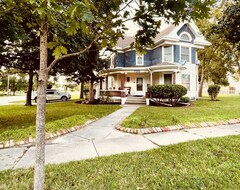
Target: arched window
[(185, 37)]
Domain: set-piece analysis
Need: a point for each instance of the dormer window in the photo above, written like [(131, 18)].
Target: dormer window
[(185, 37), (139, 60)]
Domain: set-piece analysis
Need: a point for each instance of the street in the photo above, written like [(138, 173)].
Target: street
[(6, 100)]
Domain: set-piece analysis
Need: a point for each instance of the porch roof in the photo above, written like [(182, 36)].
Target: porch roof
[(154, 68)]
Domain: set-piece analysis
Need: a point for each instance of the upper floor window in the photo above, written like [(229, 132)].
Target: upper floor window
[(139, 60), (168, 54), (185, 37), (185, 54)]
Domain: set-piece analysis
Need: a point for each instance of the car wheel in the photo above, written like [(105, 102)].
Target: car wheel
[(64, 98), (35, 99)]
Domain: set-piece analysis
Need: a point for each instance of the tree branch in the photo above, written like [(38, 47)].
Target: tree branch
[(70, 55), (124, 7)]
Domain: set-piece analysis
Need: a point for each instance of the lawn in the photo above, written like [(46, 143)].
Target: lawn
[(210, 164), (227, 107), (18, 122)]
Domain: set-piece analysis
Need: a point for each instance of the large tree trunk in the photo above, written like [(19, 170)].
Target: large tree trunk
[(81, 91), (29, 91), (41, 109), (201, 83), (91, 93)]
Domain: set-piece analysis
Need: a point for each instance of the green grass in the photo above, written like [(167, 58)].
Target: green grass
[(210, 164), (199, 111), (18, 122)]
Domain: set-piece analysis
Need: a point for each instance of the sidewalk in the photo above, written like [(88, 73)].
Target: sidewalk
[(100, 138)]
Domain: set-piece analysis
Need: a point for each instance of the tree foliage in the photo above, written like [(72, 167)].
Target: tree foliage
[(220, 58), (229, 23)]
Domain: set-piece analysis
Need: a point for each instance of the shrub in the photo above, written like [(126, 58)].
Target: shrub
[(171, 92), (213, 91), (185, 99)]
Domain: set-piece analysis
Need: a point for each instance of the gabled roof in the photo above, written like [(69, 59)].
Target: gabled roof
[(164, 32), (168, 34)]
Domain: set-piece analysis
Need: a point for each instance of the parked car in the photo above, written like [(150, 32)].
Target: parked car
[(53, 94)]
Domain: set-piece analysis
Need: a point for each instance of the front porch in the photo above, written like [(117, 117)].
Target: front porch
[(136, 84)]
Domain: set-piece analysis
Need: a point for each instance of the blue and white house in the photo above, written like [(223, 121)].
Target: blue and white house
[(172, 60)]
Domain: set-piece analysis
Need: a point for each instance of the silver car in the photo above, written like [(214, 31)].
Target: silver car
[(53, 94)]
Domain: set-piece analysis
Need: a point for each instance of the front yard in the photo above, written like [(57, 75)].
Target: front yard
[(18, 122), (210, 164), (200, 111)]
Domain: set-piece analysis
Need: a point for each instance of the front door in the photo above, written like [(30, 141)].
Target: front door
[(139, 87), (167, 78)]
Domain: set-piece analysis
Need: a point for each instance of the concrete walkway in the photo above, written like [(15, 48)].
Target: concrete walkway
[(100, 138)]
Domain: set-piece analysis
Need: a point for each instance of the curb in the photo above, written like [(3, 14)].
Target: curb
[(151, 130), (31, 141)]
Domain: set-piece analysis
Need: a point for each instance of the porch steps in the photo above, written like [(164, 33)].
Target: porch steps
[(135, 100)]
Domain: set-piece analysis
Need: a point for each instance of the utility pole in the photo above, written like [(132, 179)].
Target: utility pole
[(8, 81)]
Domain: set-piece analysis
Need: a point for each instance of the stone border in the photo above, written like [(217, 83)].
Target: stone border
[(31, 141), (151, 130)]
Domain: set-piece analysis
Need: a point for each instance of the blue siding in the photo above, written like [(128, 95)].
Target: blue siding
[(157, 56), (120, 60), (176, 52), (130, 59), (148, 58), (193, 51), (186, 29)]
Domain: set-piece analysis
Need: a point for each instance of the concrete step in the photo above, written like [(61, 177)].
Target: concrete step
[(135, 100)]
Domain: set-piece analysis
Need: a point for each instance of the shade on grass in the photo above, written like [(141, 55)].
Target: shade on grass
[(200, 111), (203, 164), (18, 122)]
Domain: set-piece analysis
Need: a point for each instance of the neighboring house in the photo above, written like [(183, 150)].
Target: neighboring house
[(172, 60)]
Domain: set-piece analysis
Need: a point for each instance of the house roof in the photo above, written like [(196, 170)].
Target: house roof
[(169, 33), (125, 42), (165, 32)]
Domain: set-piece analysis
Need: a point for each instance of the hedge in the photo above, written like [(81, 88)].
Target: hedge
[(170, 92)]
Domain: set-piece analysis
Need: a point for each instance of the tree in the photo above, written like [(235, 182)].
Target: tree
[(219, 58), (15, 82), (103, 20), (83, 68), (19, 50), (229, 23)]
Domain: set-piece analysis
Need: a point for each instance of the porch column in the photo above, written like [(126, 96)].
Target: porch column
[(122, 81), (151, 78), (106, 82), (174, 78)]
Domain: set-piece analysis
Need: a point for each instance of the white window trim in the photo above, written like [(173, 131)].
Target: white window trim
[(112, 60), (142, 59), (190, 55), (163, 60), (189, 36), (196, 57), (189, 81)]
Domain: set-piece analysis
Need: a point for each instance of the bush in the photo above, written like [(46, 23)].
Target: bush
[(213, 91), (171, 92), (185, 99)]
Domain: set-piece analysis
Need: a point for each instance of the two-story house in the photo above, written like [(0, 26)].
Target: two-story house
[(171, 60)]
